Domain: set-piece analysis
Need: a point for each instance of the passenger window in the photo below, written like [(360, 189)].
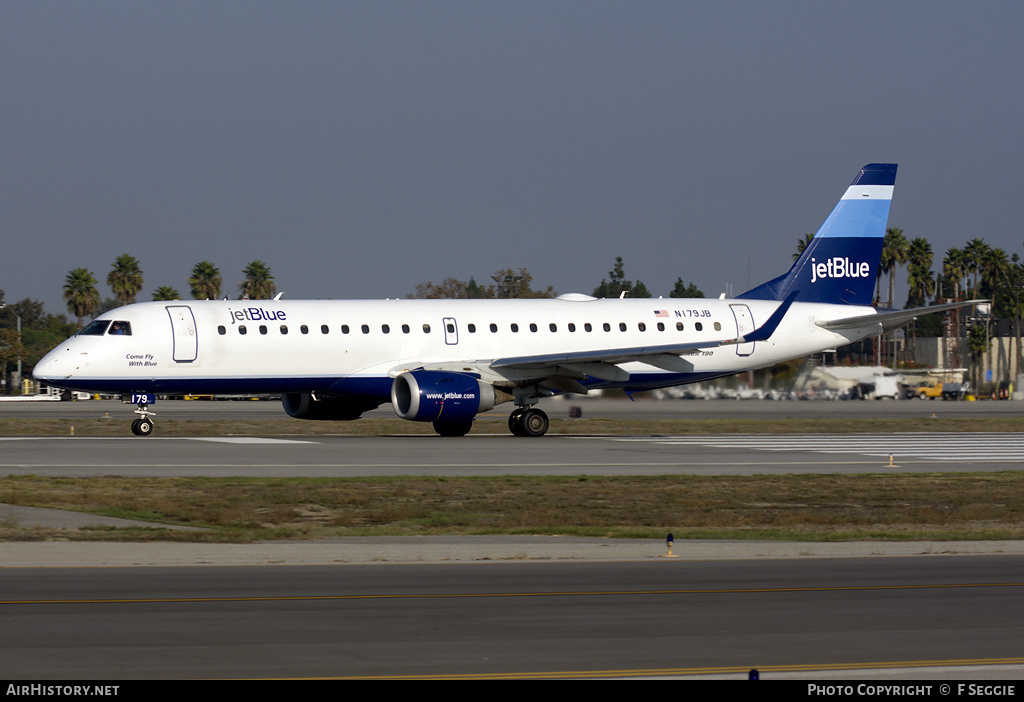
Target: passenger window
[(553, 327), (426, 328), (405, 328), (622, 326), (304, 329), (365, 328), (587, 327), (324, 329), (698, 326), (494, 328), (718, 326), (284, 329), (533, 327), (471, 328), (450, 328), (679, 326), (385, 328), (221, 330), (241, 329), (263, 329), (661, 326), (572, 327), (607, 327), (344, 329), (642, 326), (514, 327)]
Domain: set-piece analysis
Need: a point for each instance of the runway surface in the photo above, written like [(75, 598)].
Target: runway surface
[(897, 616), (489, 455)]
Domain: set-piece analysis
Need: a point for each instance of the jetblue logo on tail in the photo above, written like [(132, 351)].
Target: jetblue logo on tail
[(836, 266), (839, 267)]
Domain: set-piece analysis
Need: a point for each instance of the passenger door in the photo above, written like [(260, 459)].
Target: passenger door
[(183, 329)]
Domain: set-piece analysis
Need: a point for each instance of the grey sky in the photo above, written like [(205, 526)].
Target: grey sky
[(359, 148)]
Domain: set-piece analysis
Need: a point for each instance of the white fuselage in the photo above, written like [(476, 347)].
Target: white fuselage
[(357, 347)]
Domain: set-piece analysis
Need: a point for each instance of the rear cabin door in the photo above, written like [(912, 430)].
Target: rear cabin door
[(183, 329), (744, 325)]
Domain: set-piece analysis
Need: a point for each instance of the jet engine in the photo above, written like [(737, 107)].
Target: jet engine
[(439, 396), (303, 405)]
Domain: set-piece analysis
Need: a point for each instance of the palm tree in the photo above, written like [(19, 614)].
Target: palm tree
[(974, 256), (165, 293), (205, 281), (801, 245), (81, 294), (895, 251), (995, 272), (954, 269), (258, 283), (919, 268), (125, 279)]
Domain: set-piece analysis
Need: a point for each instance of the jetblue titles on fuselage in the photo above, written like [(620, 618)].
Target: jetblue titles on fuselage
[(256, 314)]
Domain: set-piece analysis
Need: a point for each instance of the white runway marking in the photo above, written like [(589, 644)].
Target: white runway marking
[(218, 439), (246, 440), (940, 447)]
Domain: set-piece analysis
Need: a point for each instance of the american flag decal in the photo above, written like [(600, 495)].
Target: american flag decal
[(661, 313)]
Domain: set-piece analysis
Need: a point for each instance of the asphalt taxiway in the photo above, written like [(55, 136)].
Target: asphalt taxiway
[(954, 616)]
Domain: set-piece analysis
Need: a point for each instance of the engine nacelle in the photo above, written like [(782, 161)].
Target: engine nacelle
[(439, 396), (302, 405)]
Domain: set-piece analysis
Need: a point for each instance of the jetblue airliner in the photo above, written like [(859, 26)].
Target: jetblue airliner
[(446, 361)]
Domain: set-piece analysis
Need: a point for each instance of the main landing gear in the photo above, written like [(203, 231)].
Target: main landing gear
[(528, 421)]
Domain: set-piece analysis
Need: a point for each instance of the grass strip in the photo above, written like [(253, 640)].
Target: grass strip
[(938, 506)]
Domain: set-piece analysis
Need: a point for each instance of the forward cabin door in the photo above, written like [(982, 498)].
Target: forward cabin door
[(183, 330), (744, 325)]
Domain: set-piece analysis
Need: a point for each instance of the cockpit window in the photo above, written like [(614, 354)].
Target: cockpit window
[(120, 328), (95, 328)]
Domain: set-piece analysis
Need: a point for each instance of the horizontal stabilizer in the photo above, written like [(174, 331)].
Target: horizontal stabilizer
[(892, 320)]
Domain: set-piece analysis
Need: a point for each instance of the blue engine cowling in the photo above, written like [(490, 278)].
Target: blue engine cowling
[(439, 396)]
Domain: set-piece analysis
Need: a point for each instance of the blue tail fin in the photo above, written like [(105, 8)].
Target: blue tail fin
[(840, 263)]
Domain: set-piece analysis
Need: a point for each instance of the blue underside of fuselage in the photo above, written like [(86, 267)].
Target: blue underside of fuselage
[(376, 388)]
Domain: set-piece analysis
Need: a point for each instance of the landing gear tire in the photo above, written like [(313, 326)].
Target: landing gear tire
[(452, 428), (142, 427), (528, 422), (515, 422)]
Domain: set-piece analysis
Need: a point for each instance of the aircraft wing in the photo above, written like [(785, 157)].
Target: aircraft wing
[(601, 363), (892, 320)]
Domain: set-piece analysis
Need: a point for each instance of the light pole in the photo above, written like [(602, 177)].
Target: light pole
[(18, 374)]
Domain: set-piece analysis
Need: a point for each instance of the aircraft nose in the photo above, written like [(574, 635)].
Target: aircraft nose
[(58, 364)]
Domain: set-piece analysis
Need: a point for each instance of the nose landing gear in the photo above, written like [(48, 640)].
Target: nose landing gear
[(143, 425)]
